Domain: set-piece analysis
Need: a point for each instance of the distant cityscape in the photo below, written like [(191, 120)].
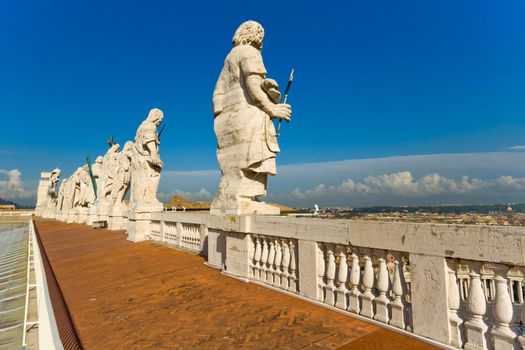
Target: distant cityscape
[(497, 214)]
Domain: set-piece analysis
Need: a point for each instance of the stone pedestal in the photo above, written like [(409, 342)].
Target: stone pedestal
[(242, 206), (82, 213), (92, 215), (102, 212), (70, 216), (139, 222), (118, 218), (49, 213)]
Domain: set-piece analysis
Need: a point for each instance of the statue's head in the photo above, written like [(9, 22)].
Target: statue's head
[(128, 146), (249, 33), (99, 160), (155, 115), (56, 172), (114, 148)]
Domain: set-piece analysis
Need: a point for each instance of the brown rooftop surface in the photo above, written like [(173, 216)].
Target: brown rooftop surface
[(124, 295)]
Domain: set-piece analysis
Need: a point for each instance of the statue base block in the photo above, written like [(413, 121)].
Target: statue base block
[(81, 216), (118, 219), (243, 206), (139, 222), (70, 216), (92, 215)]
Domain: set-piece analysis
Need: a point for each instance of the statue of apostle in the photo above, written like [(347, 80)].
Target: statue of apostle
[(146, 165), (123, 176), (244, 103)]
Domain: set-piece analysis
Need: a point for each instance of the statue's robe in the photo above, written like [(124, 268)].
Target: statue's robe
[(246, 137)]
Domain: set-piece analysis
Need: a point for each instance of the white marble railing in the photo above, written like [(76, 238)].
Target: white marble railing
[(188, 234), (374, 284), (16, 213), (458, 286), (274, 262), (486, 309)]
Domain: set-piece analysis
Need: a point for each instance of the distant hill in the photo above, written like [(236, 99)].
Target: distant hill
[(18, 206)]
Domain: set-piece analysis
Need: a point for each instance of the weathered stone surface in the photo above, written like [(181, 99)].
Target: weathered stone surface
[(308, 284), (47, 193), (237, 259), (429, 304), (216, 248), (146, 164), (244, 104)]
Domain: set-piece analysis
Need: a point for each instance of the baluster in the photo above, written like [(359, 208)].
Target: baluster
[(264, 260), (398, 317), (271, 259), (286, 263), (277, 263), (521, 338), (367, 307), (330, 276), (355, 276), (293, 268), (502, 335), (476, 306), (320, 273), (342, 275), (454, 304), (382, 300), (257, 258)]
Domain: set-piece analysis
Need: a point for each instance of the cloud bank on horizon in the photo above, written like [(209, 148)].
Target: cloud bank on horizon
[(470, 178)]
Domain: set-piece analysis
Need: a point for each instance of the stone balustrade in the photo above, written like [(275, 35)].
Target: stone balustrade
[(274, 262), (372, 283), (459, 286), (188, 234), (485, 304)]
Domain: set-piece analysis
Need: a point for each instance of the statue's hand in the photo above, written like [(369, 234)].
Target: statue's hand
[(157, 162), (281, 111)]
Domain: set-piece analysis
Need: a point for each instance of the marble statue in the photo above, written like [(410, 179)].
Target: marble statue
[(122, 176), (244, 103), (146, 164), (87, 192), (107, 173), (96, 169), (61, 196), (53, 181), (47, 193)]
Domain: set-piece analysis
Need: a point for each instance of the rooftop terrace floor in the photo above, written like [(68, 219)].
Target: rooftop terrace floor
[(150, 296)]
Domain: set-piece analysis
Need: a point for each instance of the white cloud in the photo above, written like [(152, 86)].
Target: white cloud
[(517, 148), (510, 182), (200, 195), (13, 188), (403, 185), (467, 178)]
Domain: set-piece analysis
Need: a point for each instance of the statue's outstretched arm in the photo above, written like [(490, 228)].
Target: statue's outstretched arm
[(279, 111), (154, 152)]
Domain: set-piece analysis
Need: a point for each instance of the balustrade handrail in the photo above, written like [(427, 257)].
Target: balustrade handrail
[(475, 242)]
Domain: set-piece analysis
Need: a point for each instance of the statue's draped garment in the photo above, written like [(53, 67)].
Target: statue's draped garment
[(146, 178), (246, 135)]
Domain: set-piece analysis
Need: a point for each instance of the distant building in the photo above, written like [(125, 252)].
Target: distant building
[(7, 207)]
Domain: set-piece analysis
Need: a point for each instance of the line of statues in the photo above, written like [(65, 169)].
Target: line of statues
[(245, 103), (97, 194)]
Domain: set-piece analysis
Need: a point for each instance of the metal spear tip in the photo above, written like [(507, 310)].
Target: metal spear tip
[(291, 75)]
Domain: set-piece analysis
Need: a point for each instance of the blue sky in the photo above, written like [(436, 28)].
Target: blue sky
[(374, 80)]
